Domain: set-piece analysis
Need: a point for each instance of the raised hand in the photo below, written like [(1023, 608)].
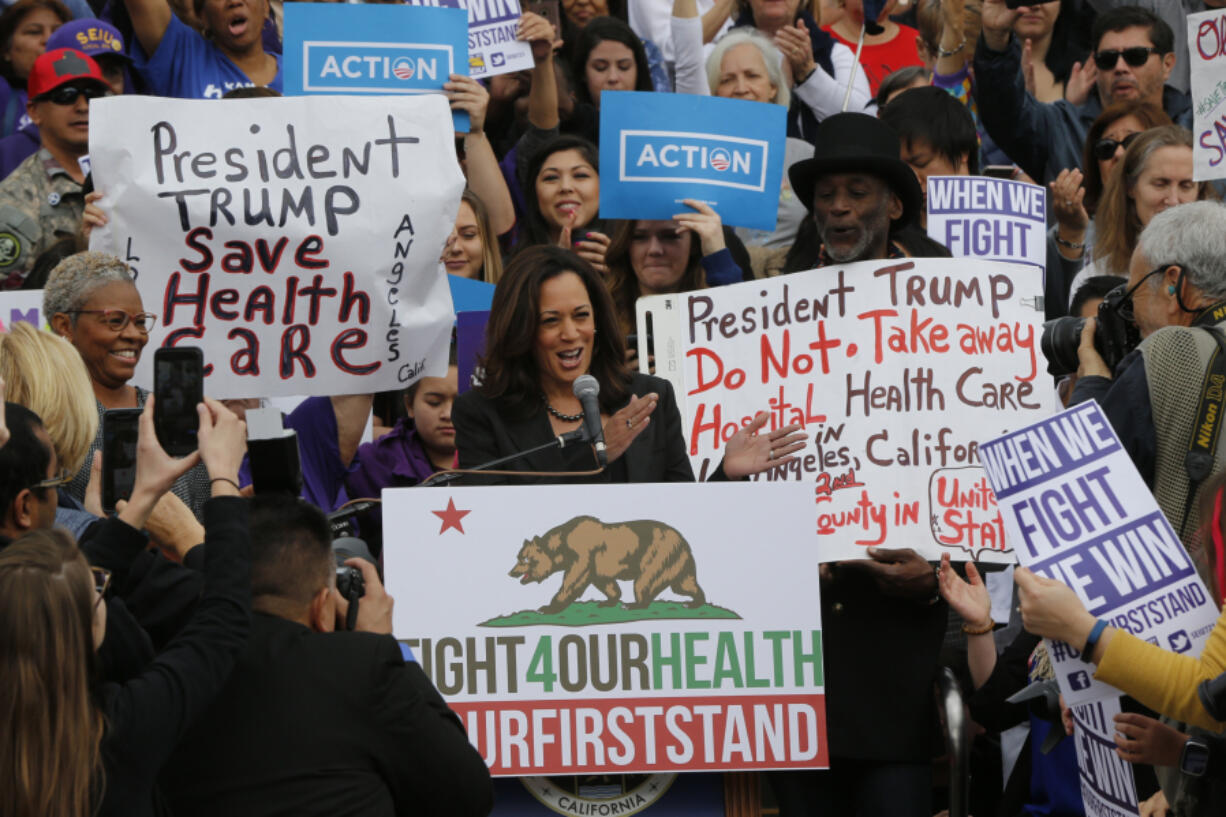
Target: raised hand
[(1081, 82), (748, 452), (628, 423), (968, 597), (466, 94), (704, 223)]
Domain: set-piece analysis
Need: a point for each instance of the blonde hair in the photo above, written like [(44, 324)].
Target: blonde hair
[(44, 373), (49, 759), (491, 258)]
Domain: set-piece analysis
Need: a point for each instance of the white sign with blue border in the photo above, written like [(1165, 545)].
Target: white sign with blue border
[(658, 149), (1075, 509), (355, 49), (983, 217), (492, 26)]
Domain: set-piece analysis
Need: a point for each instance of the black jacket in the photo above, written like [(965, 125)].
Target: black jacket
[(328, 724)]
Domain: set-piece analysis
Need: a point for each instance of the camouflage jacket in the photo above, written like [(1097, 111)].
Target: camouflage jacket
[(39, 204)]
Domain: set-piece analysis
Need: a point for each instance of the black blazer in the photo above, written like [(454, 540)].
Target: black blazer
[(486, 431), (328, 724)]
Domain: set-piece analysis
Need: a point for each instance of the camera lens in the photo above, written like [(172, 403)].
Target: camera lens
[(1059, 343)]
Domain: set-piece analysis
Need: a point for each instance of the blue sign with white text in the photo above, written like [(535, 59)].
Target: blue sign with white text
[(658, 149), (373, 49)]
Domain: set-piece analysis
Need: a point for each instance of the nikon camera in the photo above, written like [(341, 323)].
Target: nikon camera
[(1114, 336)]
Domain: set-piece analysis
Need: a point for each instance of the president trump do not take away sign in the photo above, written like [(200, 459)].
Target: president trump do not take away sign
[(622, 628)]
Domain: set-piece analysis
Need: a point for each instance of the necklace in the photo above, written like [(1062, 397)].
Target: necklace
[(566, 418)]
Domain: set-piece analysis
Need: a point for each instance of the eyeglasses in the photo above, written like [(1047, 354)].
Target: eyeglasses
[(102, 580), (117, 320), (1124, 307), (68, 94), (1136, 56), (1105, 148), (62, 478)]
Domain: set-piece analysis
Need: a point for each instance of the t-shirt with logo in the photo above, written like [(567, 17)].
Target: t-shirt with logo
[(188, 66)]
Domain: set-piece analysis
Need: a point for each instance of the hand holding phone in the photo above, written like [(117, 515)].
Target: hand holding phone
[(120, 433), (178, 387)]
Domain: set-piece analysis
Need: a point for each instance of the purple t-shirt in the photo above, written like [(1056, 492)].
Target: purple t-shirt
[(319, 453), (188, 66)]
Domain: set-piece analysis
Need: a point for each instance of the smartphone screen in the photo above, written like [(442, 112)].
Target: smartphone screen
[(178, 386), (120, 429)]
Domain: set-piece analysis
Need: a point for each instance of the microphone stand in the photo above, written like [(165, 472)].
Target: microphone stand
[(579, 435)]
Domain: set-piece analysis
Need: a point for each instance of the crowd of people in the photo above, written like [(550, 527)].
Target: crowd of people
[(188, 651)]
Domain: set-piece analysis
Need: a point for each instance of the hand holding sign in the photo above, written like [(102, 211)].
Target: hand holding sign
[(898, 572), (94, 216), (1051, 609), (705, 224), (1141, 739), (466, 94), (536, 31), (747, 452)]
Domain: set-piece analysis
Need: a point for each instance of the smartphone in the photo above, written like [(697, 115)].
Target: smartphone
[(120, 429), (178, 386), (547, 9), (999, 171)]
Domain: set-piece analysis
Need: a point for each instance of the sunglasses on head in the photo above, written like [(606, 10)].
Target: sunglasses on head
[(67, 94), (1105, 148), (1136, 56)]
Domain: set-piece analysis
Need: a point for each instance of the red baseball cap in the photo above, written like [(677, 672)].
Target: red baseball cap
[(59, 67)]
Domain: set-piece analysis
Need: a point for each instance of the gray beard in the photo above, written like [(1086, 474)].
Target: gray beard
[(873, 232)]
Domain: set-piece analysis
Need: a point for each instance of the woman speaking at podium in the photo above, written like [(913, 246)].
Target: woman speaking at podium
[(551, 321)]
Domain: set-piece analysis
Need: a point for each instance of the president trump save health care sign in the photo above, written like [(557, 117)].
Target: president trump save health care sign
[(619, 628)]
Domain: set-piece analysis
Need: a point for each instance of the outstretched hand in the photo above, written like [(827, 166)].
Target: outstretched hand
[(748, 452), (968, 597), (621, 429)]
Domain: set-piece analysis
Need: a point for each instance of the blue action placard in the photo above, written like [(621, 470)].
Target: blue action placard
[(658, 149), (333, 48)]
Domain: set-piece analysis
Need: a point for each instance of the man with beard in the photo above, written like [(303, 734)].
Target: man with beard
[(883, 620)]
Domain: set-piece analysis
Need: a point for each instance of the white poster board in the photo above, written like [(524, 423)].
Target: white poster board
[(1076, 510), (984, 217), (1207, 56), (896, 369), (503, 594), (296, 240)]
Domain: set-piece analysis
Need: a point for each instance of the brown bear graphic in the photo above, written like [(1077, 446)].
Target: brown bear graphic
[(653, 554)]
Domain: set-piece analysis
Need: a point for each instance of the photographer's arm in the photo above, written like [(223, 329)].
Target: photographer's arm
[(1125, 401)]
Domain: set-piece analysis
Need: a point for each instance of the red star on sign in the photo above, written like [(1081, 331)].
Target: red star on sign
[(451, 517)]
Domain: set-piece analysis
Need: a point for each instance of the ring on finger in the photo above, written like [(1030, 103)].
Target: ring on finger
[(629, 423)]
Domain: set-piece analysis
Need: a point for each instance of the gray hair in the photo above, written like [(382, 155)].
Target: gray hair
[(74, 280), (771, 56), (1193, 236)]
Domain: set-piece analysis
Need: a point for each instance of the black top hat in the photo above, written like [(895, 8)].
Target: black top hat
[(857, 142)]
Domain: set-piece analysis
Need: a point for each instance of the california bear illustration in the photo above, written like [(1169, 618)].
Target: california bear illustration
[(589, 552)]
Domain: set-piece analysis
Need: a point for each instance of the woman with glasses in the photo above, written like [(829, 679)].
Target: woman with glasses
[(92, 301), (75, 745)]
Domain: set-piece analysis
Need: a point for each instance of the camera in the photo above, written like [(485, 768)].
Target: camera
[(349, 581), (1114, 336)]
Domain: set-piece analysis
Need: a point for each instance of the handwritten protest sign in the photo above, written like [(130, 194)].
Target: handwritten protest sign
[(492, 26), (896, 369), (1107, 786), (21, 306), (658, 149), (982, 217), (1207, 56), (333, 48), (295, 240), (629, 635), (1076, 510)]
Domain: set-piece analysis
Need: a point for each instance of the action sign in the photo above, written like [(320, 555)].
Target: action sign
[(616, 629), (1076, 510), (333, 48), (1207, 55), (296, 240), (492, 26), (658, 149), (22, 306), (895, 369), (982, 217)]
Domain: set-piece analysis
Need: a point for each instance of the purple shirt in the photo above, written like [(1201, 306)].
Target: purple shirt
[(395, 460), (319, 453)]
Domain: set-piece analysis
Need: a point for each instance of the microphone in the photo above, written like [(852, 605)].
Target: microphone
[(587, 389)]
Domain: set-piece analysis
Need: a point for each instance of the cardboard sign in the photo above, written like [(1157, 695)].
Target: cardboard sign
[(1107, 785), (296, 240), (658, 149), (982, 217), (896, 369), (1076, 510), (1207, 56), (616, 628), (22, 306), (333, 48), (492, 26)]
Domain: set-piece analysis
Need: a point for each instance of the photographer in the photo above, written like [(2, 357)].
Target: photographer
[(1177, 298)]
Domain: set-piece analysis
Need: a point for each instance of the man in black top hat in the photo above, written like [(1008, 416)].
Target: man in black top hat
[(883, 620)]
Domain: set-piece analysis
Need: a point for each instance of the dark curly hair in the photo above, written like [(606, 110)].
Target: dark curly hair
[(536, 230), (511, 375)]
